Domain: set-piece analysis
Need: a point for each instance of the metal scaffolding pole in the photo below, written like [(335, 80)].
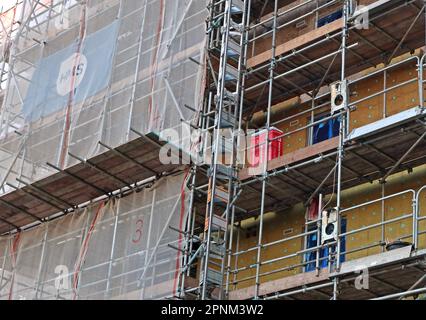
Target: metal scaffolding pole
[(266, 151), (214, 165), (188, 235), (341, 149), (227, 104)]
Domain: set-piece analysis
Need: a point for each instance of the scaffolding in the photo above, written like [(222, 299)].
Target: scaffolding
[(245, 79), (88, 255), (227, 70), (88, 89)]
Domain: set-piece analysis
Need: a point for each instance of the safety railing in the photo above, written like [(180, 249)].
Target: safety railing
[(309, 10), (319, 106), (387, 89), (420, 219), (282, 14), (411, 217), (384, 221)]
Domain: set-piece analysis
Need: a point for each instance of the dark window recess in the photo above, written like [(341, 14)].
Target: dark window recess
[(251, 232), (325, 130), (330, 18), (194, 266), (312, 242)]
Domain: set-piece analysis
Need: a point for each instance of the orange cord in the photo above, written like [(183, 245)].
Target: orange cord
[(83, 251), (182, 215), (14, 247)]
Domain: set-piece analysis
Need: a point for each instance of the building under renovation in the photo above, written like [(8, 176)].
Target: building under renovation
[(212, 149)]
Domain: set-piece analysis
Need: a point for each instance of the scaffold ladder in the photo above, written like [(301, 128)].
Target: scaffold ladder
[(227, 35)]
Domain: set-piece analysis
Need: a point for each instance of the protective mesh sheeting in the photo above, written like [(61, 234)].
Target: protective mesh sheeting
[(114, 250), (8, 17), (90, 71)]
